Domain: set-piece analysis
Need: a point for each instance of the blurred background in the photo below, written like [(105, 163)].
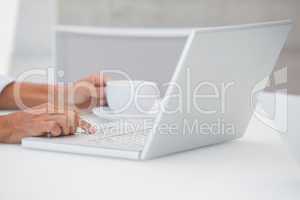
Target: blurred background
[(36, 19)]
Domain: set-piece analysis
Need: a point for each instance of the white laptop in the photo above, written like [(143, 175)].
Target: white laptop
[(208, 100)]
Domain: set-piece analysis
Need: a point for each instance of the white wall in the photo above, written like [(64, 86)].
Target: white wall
[(35, 18), (8, 12), (33, 35), (187, 13), (179, 13)]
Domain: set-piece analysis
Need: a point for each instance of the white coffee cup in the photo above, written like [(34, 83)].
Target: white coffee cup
[(280, 111), (131, 97)]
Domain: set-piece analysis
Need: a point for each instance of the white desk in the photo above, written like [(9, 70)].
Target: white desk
[(257, 166)]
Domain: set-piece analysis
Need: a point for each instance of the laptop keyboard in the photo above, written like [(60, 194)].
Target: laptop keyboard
[(119, 134)]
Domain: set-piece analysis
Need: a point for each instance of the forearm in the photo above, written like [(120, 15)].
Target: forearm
[(83, 94), (5, 130), (18, 95)]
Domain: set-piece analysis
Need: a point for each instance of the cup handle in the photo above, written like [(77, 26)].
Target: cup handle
[(277, 120)]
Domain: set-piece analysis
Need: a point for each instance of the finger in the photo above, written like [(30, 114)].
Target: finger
[(73, 120), (50, 127), (76, 124), (100, 93), (63, 122), (97, 79), (68, 122), (55, 129), (102, 102), (106, 78), (72, 130), (87, 127)]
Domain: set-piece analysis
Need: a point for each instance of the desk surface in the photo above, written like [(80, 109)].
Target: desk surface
[(258, 166)]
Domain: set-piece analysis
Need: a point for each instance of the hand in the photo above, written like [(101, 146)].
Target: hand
[(90, 91), (41, 121)]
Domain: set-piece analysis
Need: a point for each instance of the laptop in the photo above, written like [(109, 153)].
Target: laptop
[(209, 99)]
